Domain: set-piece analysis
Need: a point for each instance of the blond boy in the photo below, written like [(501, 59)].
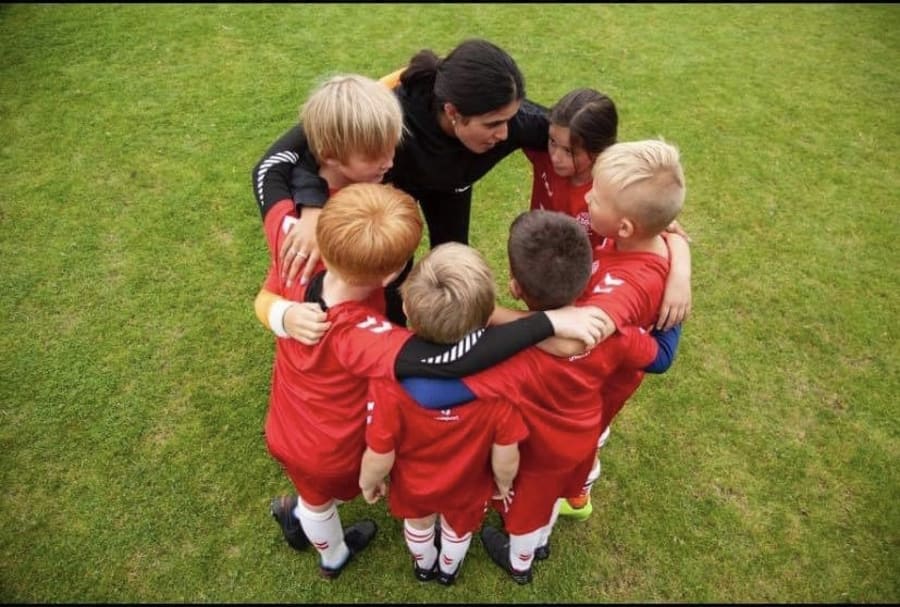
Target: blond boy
[(638, 191), (440, 462)]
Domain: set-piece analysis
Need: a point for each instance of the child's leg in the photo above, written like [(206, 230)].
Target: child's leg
[(521, 550), (579, 506), (322, 525), (453, 549), (542, 551), (583, 499), (419, 534)]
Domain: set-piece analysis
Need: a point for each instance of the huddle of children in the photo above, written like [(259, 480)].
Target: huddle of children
[(507, 425)]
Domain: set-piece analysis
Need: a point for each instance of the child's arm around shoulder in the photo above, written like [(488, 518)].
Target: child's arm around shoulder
[(676, 303), (569, 339)]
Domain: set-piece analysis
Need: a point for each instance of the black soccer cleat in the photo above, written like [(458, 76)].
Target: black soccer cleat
[(448, 579), (496, 544), (542, 553), (425, 575), (357, 536), (282, 509)]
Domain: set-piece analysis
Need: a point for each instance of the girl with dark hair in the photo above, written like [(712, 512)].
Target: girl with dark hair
[(582, 124)]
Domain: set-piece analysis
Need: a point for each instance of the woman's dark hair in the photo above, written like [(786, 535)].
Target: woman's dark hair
[(591, 118), (477, 77)]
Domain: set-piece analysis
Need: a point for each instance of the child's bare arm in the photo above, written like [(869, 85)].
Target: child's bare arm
[(305, 322), (505, 464), (676, 303), (576, 328), (374, 469)]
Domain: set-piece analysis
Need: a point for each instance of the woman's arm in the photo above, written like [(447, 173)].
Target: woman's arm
[(557, 346), (486, 347), (533, 124), (432, 393)]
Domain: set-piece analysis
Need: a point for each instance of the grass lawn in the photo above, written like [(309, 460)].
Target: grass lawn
[(134, 376)]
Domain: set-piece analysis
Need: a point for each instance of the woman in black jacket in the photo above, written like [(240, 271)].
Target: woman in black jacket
[(462, 115)]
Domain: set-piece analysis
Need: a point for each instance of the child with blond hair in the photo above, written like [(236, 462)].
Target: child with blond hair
[(638, 191), (441, 463)]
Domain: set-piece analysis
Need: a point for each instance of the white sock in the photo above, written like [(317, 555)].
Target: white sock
[(453, 548), (593, 475), (603, 438), (421, 544), (325, 534), (521, 549), (547, 529)]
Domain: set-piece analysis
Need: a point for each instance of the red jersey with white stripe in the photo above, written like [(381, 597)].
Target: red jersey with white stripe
[(443, 457), (317, 409), (629, 286), (551, 192), (560, 401)]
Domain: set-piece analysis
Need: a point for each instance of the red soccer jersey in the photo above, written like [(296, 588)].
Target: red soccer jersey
[(628, 286), (551, 192), (560, 401), (443, 458), (317, 409)]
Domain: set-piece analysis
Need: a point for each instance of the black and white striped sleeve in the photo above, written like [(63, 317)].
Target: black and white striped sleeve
[(475, 352), (286, 171)]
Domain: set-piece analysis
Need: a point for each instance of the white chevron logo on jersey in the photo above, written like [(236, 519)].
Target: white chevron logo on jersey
[(610, 284), (374, 326)]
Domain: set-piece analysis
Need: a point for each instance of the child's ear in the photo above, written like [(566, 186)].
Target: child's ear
[(390, 278), (625, 229), (514, 289)]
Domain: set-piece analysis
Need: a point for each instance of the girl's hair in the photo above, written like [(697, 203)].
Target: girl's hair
[(591, 118), (477, 77), (351, 114), (449, 293), (550, 257), (367, 231)]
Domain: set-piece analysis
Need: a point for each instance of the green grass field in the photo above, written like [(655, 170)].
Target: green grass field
[(134, 376)]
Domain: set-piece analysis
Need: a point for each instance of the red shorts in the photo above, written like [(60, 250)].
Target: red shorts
[(535, 495), (616, 391), (461, 520), (316, 487)]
